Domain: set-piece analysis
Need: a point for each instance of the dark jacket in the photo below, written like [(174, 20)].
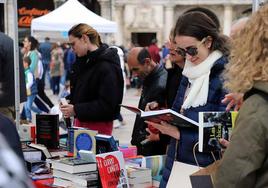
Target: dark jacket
[(245, 161), (189, 137), (7, 85), (173, 82), (153, 90), (9, 131), (97, 85)]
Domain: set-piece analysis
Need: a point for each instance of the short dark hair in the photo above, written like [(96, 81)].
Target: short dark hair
[(27, 59), (143, 54)]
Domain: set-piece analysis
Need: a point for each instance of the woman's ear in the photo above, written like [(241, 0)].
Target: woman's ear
[(208, 42), (84, 38)]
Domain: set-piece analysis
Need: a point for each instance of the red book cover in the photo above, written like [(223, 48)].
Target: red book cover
[(112, 170)]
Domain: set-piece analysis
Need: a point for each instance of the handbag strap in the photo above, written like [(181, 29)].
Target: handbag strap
[(176, 146)]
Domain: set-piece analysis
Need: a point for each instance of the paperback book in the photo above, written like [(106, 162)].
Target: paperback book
[(105, 143), (112, 170), (212, 127), (82, 179), (81, 139), (73, 165), (47, 130), (167, 115), (156, 163)]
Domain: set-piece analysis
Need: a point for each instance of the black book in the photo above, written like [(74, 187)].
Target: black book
[(167, 115), (47, 130), (212, 127), (105, 143)]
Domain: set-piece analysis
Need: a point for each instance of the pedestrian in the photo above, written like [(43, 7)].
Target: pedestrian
[(7, 84), (31, 89)]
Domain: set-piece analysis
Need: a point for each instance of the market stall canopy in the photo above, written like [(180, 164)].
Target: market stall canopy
[(57, 23)]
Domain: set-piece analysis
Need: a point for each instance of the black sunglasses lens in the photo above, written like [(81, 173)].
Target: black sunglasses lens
[(181, 52), (192, 51)]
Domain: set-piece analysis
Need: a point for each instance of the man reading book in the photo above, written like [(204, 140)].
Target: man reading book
[(154, 79)]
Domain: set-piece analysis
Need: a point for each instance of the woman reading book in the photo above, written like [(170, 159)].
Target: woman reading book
[(206, 50), (96, 81)]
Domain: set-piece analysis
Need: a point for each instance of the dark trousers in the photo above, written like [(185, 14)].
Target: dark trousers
[(55, 84), (42, 94)]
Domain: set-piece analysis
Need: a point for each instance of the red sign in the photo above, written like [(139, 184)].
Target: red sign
[(29, 9)]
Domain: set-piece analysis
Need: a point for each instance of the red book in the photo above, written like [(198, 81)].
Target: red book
[(112, 170)]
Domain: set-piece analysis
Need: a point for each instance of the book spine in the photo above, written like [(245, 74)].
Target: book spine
[(71, 141)]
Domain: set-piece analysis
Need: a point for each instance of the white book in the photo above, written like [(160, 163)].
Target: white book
[(78, 178), (167, 115), (73, 165), (66, 183), (137, 180)]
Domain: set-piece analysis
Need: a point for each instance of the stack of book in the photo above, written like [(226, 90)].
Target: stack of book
[(156, 163), (139, 177), (128, 151), (75, 172)]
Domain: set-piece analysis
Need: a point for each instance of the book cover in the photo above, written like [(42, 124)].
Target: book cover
[(42, 148), (27, 132), (73, 165), (81, 139), (112, 170), (156, 163), (212, 127), (31, 153), (47, 130), (105, 143), (128, 151), (167, 115)]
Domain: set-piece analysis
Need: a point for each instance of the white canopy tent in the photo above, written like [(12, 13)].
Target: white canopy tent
[(57, 23)]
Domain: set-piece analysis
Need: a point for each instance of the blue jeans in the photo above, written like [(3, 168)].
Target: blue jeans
[(29, 106)]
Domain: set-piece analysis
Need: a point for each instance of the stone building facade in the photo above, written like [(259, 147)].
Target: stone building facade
[(141, 20)]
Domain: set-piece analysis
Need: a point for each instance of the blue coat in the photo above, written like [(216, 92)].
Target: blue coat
[(189, 137)]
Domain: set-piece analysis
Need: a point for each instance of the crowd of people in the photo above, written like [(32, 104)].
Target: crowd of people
[(200, 69)]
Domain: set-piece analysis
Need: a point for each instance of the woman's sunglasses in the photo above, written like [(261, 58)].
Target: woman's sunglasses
[(192, 50)]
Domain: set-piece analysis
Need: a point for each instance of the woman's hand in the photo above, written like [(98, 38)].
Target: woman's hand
[(151, 106), (152, 136), (166, 128), (233, 99), (67, 110)]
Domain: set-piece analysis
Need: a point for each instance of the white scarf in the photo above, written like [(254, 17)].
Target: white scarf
[(198, 76)]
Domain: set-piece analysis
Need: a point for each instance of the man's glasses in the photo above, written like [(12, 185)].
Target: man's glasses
[(192, 50)]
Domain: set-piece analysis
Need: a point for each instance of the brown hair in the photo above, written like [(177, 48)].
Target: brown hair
[(27, 60), (84, 29), (249, 62), (199, 26)]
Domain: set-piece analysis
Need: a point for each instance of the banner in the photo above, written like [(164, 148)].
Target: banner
[(29, 9)]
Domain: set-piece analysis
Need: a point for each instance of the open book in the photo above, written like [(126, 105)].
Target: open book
[(167, 115), (212, 127)]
